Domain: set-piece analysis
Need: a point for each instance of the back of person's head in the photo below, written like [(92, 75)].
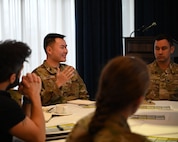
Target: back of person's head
[(12, 56), (164, 36), (123, 80), (50, 38)]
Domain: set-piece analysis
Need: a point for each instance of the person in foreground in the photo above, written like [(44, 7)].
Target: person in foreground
[(14, 121), (60, 82), (122, 86), (163, 71)]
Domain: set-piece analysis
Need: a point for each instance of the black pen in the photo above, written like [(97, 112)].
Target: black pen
[(50, 109), (60, 128)]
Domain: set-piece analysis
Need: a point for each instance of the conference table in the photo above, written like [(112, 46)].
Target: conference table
[(158, 120)]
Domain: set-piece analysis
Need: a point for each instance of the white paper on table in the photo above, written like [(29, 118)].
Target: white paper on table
[(81, 102), (155, 130), (47, 116)]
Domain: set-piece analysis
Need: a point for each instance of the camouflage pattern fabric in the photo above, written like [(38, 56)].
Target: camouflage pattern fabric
[(164, 84), (16, 96), (116, 129), (51, 94)]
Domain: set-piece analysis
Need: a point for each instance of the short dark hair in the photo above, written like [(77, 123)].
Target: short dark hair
[(50, 38), (164, 36), (12, 56)]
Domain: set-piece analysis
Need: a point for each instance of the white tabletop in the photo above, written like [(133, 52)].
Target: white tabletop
[(160, 120), (73, 113)]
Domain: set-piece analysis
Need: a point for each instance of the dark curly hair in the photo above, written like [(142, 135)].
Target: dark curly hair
[(12, 56)]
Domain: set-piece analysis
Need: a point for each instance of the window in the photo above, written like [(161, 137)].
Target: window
[(30, 20)]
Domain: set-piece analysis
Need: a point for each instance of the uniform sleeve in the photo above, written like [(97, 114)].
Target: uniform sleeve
[(50, 93)]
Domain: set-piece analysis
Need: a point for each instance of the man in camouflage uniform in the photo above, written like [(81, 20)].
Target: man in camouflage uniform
[(60, 82), (163, 71)]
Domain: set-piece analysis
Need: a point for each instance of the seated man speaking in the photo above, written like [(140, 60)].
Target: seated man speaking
[(60, 82)]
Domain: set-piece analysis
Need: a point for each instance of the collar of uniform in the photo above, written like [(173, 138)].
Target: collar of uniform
[(158, 70), (117, 119), (51, 70)]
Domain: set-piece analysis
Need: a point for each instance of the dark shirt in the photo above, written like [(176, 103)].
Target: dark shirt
[(11, 114)]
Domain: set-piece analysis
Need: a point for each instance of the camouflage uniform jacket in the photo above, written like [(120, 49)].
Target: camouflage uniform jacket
[(116, 129), (51, 94), (164, 84)]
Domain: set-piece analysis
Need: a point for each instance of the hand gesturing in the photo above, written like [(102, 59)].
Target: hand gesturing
[(63, 76)]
